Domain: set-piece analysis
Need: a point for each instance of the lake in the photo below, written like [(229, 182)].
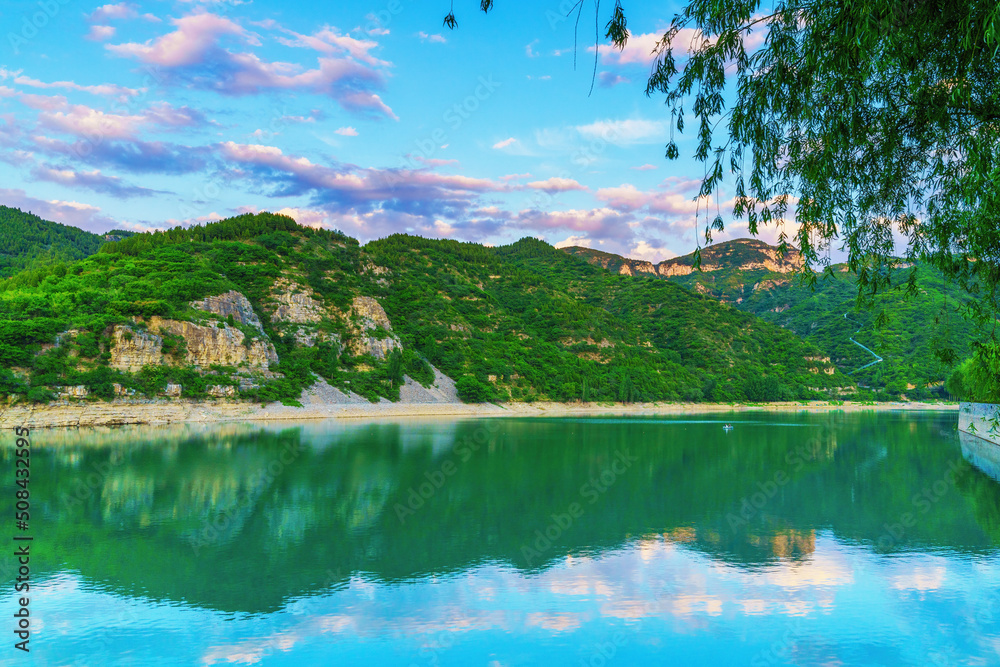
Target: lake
[(795, 539)]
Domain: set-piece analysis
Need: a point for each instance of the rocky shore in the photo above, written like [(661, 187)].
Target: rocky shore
[(328, 403)]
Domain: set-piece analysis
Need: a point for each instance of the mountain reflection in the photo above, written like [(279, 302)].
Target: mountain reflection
[(243, 518)]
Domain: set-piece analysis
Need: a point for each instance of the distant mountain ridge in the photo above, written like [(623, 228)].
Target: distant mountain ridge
[(752, 276), (740, 254)]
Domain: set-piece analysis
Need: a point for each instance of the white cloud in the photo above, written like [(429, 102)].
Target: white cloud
[(505, 143), (625, 132), (571, 241), (556, 184), (347, 131), (434, 39)]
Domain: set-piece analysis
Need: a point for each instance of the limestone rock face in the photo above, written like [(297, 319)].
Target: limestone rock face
[(231, 303), (637, 267), (752, 255), (135, 348), (667, 270), (294, 303), (208, 345), (368, 315)]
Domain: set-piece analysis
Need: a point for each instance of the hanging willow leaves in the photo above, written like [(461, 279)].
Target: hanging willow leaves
[(875, 122)]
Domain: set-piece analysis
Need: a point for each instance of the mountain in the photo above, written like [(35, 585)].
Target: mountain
[(29, 241), (258, 307), (743, 255), (916, 333)]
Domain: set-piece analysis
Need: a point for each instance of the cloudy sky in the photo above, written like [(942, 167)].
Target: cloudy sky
[(369, 117)]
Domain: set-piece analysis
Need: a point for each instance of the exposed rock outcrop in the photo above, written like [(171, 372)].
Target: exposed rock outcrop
[(133, 348), (294, 303), (231, 303), (368, 315), (206, 346), (219, 344), (635, 266), (742, 254)]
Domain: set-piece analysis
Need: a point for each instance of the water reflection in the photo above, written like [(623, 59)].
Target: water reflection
[(858, 538)]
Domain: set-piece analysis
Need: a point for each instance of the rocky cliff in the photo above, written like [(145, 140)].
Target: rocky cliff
[(372, 329), (293, 309), (204, 345), (742, 254), (231, 304), (213, 344)]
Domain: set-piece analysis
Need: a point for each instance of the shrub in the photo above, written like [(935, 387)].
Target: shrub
[(471, 390)]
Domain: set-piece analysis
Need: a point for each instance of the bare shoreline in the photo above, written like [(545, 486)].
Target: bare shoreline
[(123, 411)]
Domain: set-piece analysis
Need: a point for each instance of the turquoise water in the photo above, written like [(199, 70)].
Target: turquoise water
[(844, 539)]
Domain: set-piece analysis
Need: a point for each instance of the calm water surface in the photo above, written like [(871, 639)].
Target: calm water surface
[(860, 539)]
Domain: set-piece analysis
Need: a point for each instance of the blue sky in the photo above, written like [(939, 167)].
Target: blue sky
[(369, 117)]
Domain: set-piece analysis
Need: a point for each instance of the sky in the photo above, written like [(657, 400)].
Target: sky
[(368, 117)]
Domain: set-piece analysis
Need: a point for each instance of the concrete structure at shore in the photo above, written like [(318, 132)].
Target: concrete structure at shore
[(981, 420)]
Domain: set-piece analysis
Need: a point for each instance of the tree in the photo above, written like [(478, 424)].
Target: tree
[(877, 119), (471, 390)]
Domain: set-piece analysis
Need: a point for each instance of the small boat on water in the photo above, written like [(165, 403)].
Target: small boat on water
[(727, 428)]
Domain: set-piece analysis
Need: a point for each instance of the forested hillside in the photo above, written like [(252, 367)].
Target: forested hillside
[(919, 336), (258, 307)]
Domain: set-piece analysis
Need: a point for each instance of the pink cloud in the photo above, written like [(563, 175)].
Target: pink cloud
[(100, 33), (640, 48), (556, 184), (106, 89), (434, 162), (122, 10), (72, 213), (195, 37), (610, 79), (645, 167), (417, 191), (43, 102), (84, 121), (346, 131), (91, 180), (678, 199), (162, 113), (330, 42), (193, 56), (599, 221)]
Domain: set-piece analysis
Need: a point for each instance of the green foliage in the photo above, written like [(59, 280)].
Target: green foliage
[(853, 166), (27, 241), (977, 379), (471, 390)]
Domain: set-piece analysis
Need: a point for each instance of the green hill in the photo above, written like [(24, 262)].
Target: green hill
[(28, 241), (258, 307), (919, 338)]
